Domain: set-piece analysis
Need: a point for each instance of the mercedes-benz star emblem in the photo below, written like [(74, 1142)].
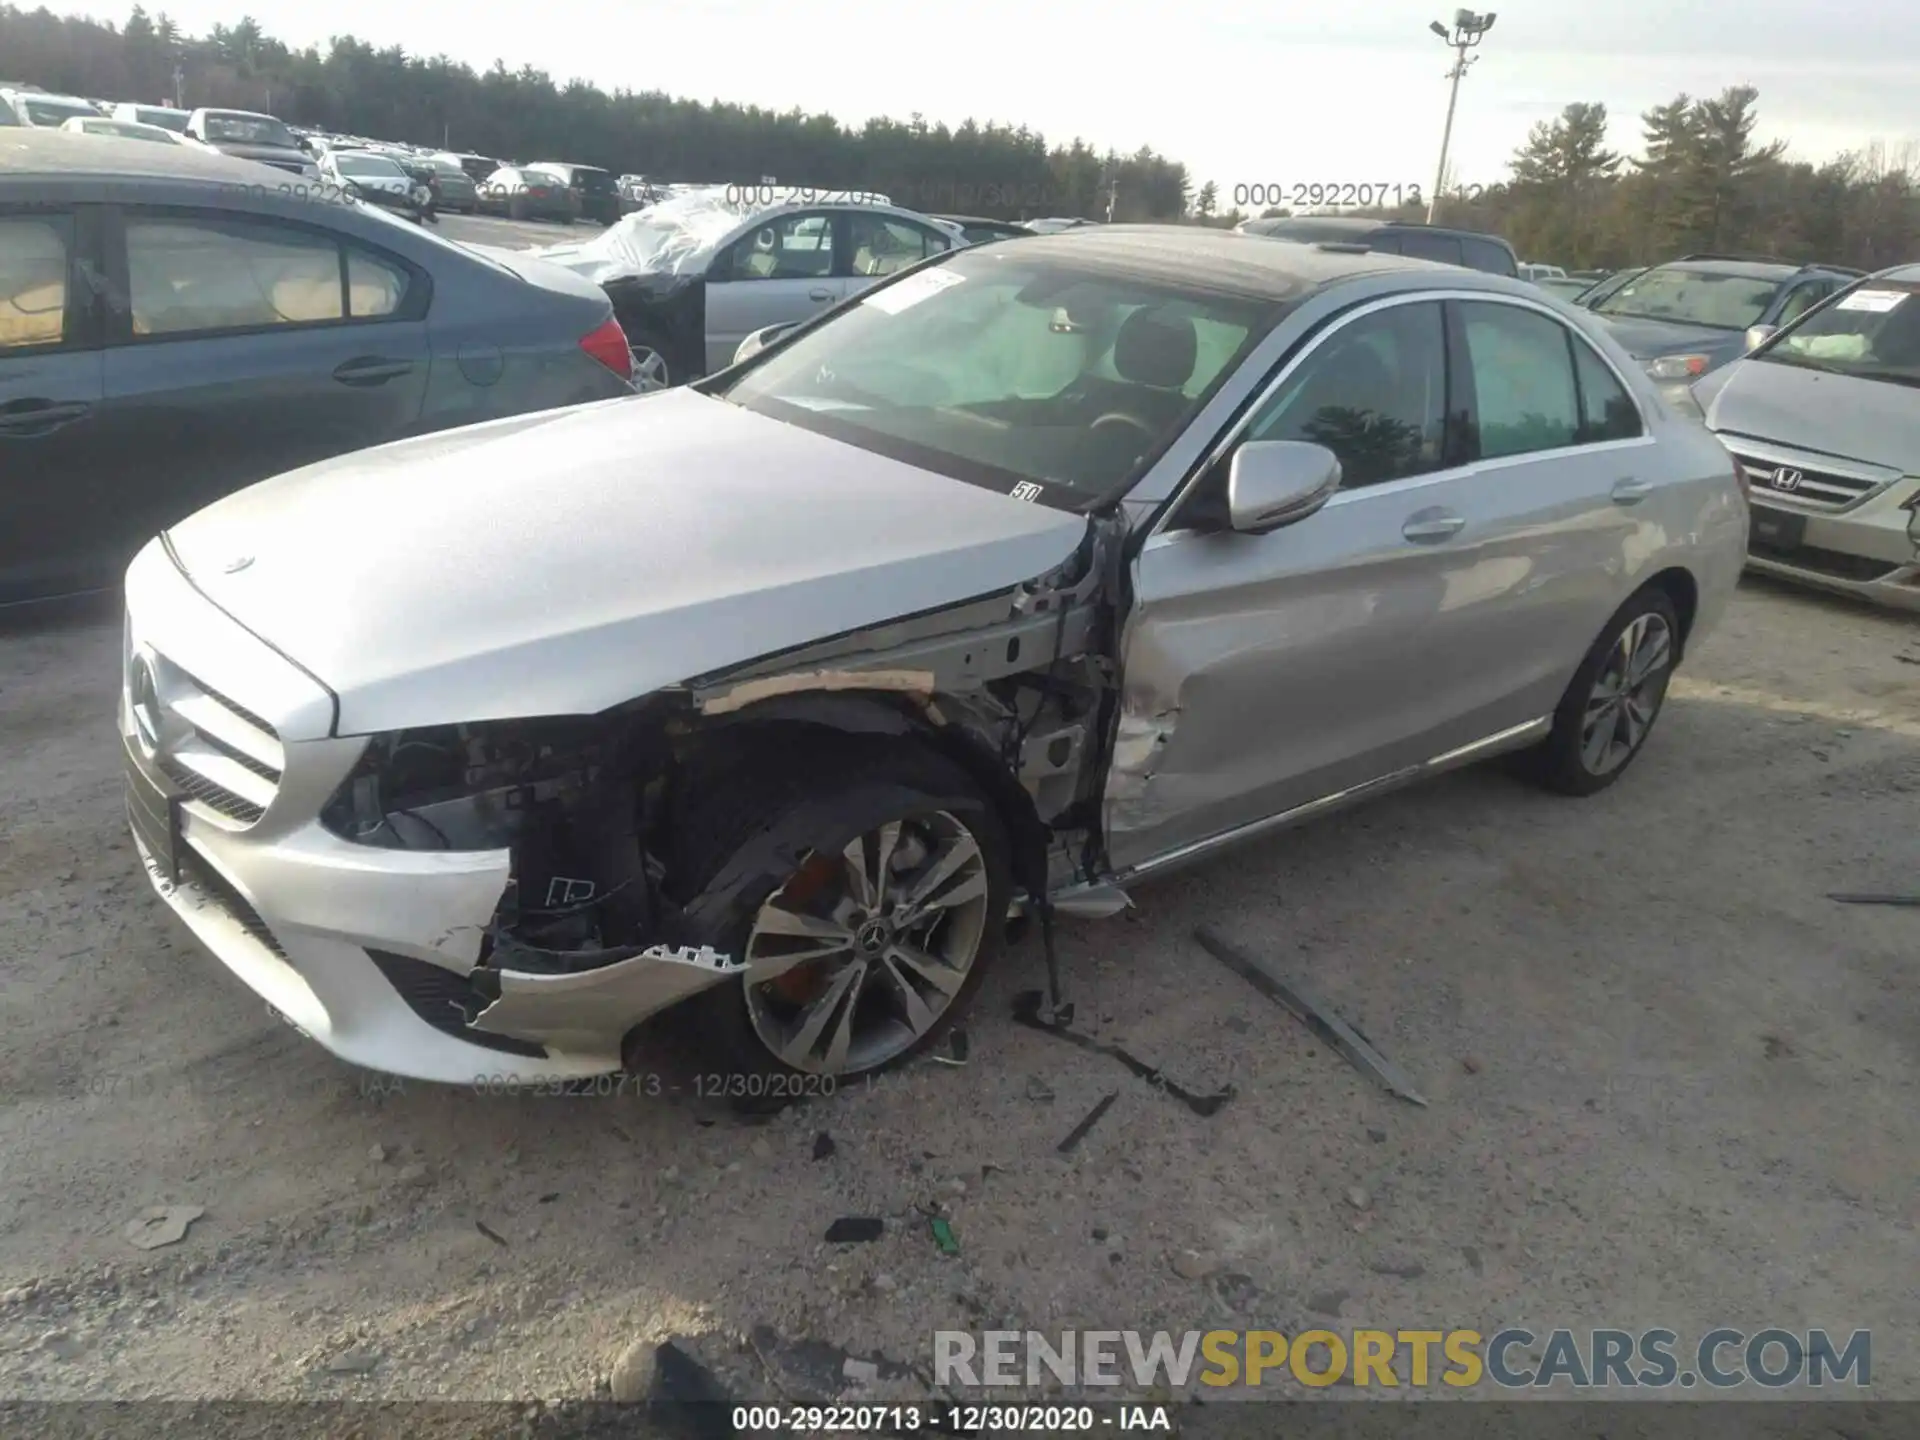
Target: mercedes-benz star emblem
[(238, 563)]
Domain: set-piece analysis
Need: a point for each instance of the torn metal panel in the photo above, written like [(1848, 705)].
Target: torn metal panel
[(594, 1009), (751, 692), (944, 662), (1312, 1012)]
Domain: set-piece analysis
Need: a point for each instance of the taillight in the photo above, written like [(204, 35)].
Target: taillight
[(1740, 474), (608, 345)]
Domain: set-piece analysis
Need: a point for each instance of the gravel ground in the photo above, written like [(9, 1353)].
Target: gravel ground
[(1671, 1084)]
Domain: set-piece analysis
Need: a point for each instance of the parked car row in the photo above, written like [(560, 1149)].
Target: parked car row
[(239, 332)]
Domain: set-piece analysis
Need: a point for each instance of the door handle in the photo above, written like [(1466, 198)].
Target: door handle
[(1631, 492), (371, 370), (1430, 526), (821, 294), (27, 419)]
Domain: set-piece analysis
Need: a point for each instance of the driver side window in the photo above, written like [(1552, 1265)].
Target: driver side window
[(793, 247), (1374, 392)]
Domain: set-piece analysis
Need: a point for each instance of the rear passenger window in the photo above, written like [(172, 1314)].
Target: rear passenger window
[(884, 246), (1524, 391), (1485, 255), (374, 287), (1422, 246), (187, 275), (1607, 412), (34, 262)]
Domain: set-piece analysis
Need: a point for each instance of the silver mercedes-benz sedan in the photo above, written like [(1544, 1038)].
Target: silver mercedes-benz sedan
[(1029, 572)]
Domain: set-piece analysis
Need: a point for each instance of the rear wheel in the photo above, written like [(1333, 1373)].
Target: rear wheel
[(866, 899), (653, 367), (1609, 708)]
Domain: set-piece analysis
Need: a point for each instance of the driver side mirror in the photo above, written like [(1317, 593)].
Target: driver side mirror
[(1758, 335), (1271, 483)]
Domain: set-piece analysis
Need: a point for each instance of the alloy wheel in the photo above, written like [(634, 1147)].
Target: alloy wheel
[(649, 368), (1626, 694), (860, 954)]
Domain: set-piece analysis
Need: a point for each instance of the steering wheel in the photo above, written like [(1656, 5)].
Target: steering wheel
[(1121, 418)]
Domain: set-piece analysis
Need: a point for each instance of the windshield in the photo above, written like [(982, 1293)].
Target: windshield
[(1043, 379), (45, 110), (597, 181), (1872, 332), (249, 130), (450, 168), (174, 120), (368, 166), (1692, 297)]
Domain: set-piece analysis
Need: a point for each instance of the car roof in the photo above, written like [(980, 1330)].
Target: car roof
[(1748, 269), (29, 153), (241, 114), (1251, 265), (1356, 227), (50, 95), (1906, 274)]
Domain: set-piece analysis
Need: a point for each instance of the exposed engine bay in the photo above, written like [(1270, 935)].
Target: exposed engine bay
[(1019, 688)]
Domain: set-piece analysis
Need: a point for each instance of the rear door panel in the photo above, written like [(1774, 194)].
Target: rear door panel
[(58, 532), (213, 407)]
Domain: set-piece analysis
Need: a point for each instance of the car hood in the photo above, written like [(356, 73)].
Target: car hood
[(1645, 339), (1840, 415), (566, 561)]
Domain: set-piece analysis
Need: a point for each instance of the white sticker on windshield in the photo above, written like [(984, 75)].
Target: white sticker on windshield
[(912, 290), (1878, 301)]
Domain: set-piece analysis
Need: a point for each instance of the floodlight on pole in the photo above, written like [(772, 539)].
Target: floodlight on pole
[(1468, 30)]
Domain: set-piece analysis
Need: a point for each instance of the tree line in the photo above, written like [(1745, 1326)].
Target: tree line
[(1701, 181), (990, 169)]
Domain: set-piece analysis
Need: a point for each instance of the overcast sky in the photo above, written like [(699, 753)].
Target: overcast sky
[(1281, 94)]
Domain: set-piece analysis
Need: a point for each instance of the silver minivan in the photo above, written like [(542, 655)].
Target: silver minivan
[(1825, 417)]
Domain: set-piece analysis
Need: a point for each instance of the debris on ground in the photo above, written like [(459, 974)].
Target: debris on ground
[(1039, 1090), (1027, 1011), (1305, 1006), (823, 1146), (354, 1362), (1472, 1064), (1327, 1302), (1079, 1132), (813, 1371), (1192, 1265), (860, 1372), (160, 1225), (1358, 1197), (632, 1376), (943, 1236), (377, 1154), (855, 1230), (1871, 898), (60, 1344), (956, 1048), (491, 1234)]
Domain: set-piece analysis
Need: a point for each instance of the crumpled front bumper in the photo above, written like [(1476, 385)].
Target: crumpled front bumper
[(367, 950)]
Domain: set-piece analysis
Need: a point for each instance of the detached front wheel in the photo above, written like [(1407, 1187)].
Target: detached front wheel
[(866, 901)]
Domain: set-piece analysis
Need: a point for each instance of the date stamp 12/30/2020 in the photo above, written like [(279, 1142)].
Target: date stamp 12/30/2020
[(1269, 194)]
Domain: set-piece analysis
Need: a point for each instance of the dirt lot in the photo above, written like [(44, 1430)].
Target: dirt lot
[(1671, 1084)]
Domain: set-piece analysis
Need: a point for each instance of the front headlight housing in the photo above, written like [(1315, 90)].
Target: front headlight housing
[(1678, 367)]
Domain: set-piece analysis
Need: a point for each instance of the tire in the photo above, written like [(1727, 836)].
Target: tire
[(1566, 761), (761, 833), (653, 357)]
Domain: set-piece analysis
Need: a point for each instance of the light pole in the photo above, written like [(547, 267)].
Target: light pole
[(1468, 30)]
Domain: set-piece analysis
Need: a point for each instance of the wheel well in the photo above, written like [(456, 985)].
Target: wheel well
[(778, 734), (1684, 592)]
